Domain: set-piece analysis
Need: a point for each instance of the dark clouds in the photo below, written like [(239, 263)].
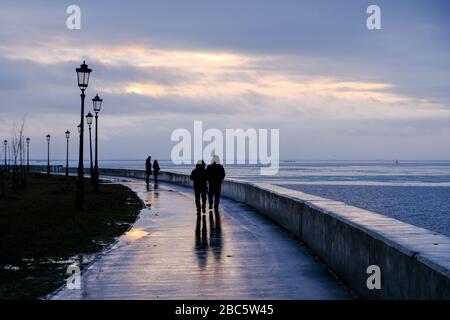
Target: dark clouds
[(308, 39), (411, 51)]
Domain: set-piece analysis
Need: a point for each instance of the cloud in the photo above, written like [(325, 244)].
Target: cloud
[(309, 67), (171, 81)]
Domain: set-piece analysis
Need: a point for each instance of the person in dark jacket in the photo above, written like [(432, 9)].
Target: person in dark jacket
[(200, 179), (216, 174), (156, 169), (148, 170)]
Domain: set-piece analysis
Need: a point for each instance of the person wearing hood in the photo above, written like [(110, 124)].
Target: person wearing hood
[(216, 175), (200, 179), (148, 170), (156, 169)]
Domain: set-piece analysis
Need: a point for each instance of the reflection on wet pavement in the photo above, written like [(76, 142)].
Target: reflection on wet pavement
[(171, 253), (134, 234), (208, 245)]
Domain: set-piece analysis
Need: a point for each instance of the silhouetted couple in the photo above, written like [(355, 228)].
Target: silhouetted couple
[(148, 170), (208, 181)]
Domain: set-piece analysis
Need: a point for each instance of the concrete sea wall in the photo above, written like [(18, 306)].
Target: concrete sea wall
[(414, 263)]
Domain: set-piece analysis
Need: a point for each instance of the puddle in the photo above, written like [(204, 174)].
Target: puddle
[(102, 243), (44, 261), (11, 267), (121, 223), (135, 234)]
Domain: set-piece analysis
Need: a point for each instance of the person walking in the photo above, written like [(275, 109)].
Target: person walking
[(216, 174), (156, 169), (200, 179), (148, 170)]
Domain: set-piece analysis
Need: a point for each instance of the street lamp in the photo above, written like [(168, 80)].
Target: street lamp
[(28, 154), (83, 73), (89, 117), (67, 152), (5, 142), (48, 154), (97, 105)]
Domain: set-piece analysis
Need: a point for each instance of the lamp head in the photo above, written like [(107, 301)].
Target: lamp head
[(83, 73), (97, 103), (89, 118)]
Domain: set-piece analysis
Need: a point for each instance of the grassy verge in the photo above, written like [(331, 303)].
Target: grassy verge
[(41, 233)]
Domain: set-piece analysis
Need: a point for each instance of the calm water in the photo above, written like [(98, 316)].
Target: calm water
[(414, 192)]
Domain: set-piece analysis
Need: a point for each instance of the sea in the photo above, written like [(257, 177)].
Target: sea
[(416, 192)]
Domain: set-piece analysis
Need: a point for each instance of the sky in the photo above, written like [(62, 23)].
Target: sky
[(311, 69)]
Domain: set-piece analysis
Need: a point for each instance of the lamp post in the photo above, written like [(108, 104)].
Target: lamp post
[(67, 152), (97, 105), (83, 73), (48, 154), (28, 154), (89, 118), (5, 143)]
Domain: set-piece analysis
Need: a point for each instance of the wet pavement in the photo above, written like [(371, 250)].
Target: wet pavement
[(170, 253)]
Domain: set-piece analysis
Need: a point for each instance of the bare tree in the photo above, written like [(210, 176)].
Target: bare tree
[(16, 148), (2, 179)]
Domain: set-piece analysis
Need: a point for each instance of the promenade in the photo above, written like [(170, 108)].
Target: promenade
[(169, 253)]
